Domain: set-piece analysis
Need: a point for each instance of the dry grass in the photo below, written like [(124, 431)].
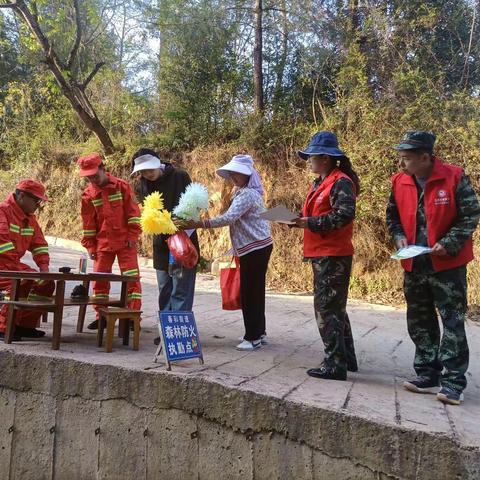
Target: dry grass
[(375, 277)]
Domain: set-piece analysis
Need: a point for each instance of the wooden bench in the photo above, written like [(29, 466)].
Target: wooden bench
[(59, 301), (108, 317), (48, 306)]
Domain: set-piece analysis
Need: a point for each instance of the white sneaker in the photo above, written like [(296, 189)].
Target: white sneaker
[(263, 339), (246, 345)]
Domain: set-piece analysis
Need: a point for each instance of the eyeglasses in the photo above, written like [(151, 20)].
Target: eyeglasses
[(38, 201)]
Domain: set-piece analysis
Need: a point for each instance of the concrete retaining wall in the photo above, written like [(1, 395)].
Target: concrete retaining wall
[(64, 419)]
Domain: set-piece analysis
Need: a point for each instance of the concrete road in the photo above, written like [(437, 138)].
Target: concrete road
[(279, 369)]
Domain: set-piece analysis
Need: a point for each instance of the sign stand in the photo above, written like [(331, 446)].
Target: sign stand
[(159, 350), (179, 339)]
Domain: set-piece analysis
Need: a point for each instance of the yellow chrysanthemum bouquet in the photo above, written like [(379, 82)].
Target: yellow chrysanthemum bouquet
[(155, 220)]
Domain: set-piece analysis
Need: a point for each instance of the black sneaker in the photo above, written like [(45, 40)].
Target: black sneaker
[(450, 395), (156, 341), (29, 332), (93, 325), (422, 385), (16, 337), (327, 373)]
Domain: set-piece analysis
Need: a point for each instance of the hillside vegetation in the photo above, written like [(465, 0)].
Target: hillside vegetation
[(210, 88)]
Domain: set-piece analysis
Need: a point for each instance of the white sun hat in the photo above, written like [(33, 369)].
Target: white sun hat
[(243, 164), (239, 163), (146, 162)]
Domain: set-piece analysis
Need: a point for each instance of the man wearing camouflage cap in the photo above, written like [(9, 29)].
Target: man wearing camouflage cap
[(433, 204)]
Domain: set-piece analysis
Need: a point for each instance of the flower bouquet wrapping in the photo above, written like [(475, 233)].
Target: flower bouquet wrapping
[(191, 203), (183, 249)]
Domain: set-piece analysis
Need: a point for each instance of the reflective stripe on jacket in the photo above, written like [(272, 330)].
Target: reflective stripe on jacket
[(20, 233), (110, 215)]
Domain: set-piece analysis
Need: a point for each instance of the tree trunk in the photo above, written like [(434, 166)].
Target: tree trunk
[(257, 58), (73, 90), (87, 114), (283, 57), (354, 18), (355, 31)]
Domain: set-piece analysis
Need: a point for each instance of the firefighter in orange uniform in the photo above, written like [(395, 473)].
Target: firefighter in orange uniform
[(111, 227), (19, 232)]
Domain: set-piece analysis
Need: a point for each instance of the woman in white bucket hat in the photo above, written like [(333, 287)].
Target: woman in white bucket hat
[(251, 241)]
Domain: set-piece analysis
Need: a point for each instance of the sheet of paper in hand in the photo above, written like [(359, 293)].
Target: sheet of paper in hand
[(410, 251), (280, 214)]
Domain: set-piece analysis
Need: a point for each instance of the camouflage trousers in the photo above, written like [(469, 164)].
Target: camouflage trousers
[(331, 276), (438, 357)]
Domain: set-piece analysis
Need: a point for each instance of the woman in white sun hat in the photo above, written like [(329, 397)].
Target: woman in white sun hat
[(251, 241)]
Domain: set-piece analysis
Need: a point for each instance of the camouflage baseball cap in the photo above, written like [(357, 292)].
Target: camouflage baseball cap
[(416, 139)]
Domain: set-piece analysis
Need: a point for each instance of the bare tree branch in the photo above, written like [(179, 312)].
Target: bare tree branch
[(95, 70), (466, 70), (101, 24), (78, 36)]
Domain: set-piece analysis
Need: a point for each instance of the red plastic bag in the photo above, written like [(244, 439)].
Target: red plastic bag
[(230, 287), (183, 250)]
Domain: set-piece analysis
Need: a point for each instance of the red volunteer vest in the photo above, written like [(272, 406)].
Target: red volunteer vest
[(440, 211), (334, 243)]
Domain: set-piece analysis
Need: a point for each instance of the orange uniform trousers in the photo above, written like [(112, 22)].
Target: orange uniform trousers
[(128, 263), (29, 290)]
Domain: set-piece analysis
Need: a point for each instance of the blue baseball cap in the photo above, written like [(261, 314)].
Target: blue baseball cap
[(322, 143)]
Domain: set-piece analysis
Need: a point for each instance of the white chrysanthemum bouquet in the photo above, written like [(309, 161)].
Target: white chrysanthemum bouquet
[(192, 201), (155, 219)]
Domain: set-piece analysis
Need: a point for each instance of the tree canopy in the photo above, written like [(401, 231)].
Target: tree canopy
[(184, 73)]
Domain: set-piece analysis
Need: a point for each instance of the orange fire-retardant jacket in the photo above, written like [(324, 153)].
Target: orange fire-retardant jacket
[(110, 215), (20, 232)]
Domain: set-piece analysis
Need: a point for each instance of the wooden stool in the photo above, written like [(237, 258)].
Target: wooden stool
[(108, 316)]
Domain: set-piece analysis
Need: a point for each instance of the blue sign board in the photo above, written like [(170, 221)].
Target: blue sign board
[(179, 336)]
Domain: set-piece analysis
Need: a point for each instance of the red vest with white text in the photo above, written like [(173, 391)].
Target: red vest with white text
[(334, 243), (440, 211)]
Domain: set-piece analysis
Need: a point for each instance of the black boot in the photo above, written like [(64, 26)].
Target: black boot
[(327, 373), (16, 337), (29, 332), (93, 325)]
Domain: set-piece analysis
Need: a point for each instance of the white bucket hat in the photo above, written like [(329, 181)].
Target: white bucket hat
[(239, 163), (146, 162), (242, 164)]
